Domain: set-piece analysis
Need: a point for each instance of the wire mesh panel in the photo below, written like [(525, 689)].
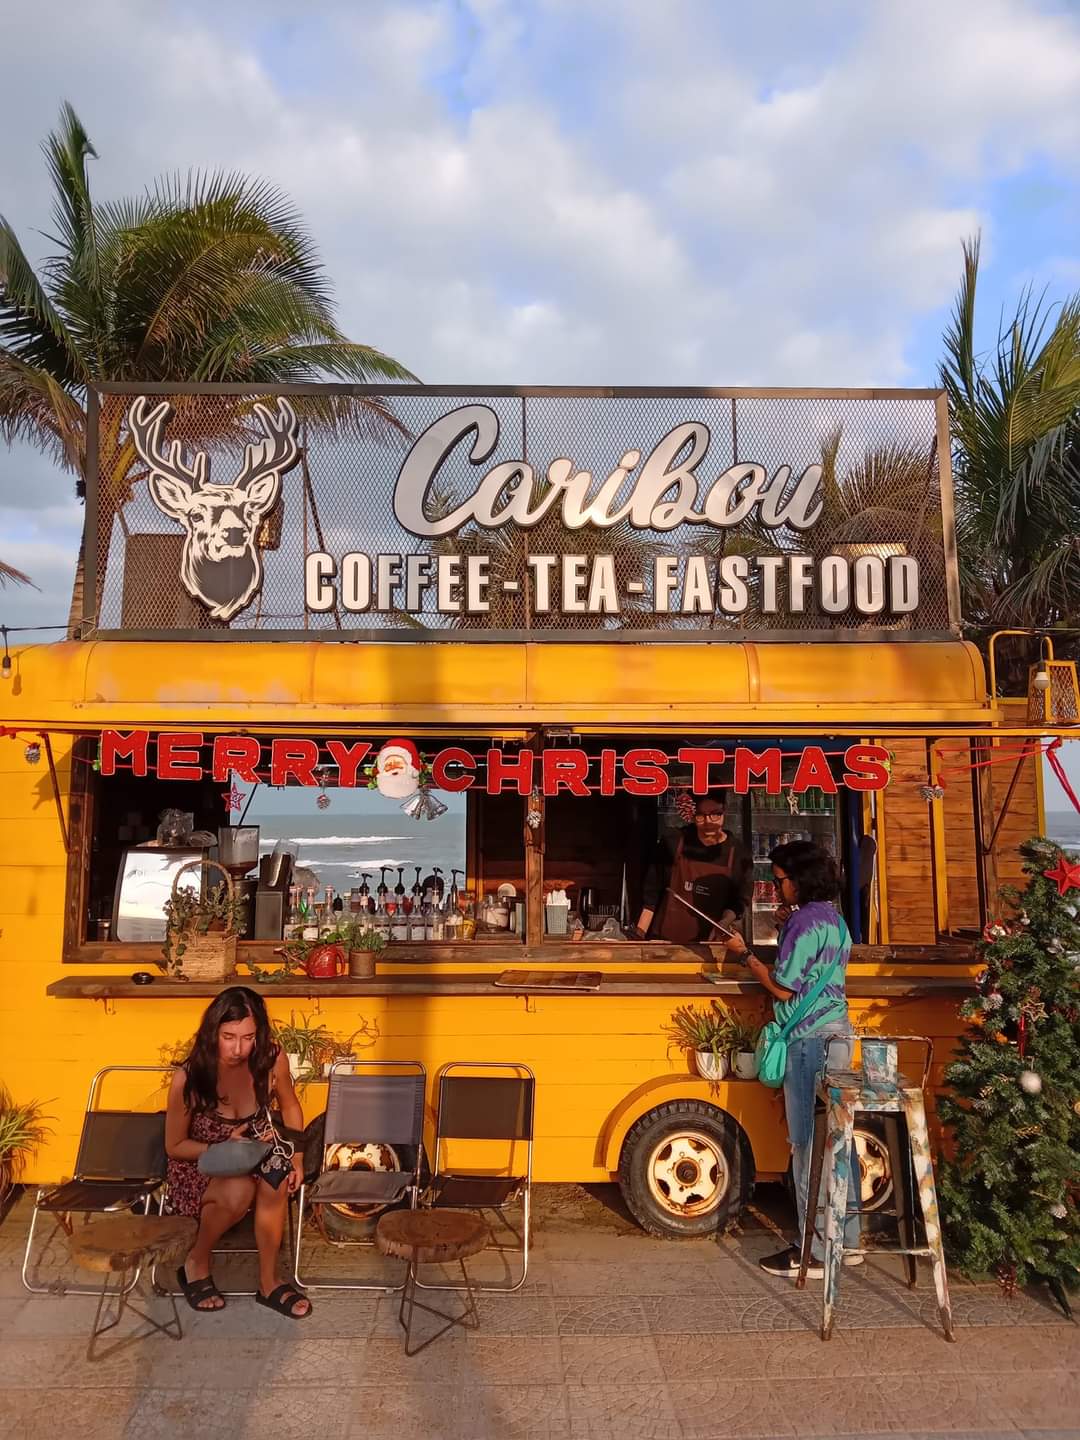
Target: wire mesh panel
[(428, 513)]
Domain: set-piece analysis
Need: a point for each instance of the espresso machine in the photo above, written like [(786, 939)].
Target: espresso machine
[(238, 853), (272, 895)]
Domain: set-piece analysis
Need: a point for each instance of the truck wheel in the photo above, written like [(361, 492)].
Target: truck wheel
[(686, 1169)]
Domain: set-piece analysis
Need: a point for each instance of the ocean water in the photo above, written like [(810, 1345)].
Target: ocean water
[(338, 848), (1063, 827)]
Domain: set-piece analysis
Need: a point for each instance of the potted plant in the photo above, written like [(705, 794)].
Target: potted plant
[(22, 1129), (706, 1033), (201, 926), (363, 946), (308, 1047), (743, 1039)]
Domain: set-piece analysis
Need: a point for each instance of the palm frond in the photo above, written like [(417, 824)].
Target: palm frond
[(9, 575), (30, 324)]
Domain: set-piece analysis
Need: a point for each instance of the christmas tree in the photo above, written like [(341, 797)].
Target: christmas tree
[(1010, 1191)]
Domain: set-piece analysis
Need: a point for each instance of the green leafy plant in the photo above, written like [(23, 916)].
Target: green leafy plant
[(355, 935), (706, 1030), (294, 955), (188, 913), (743, 1034), (22, 1129), (315, 1046)]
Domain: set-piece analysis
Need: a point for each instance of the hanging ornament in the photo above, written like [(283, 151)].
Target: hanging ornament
[(322, 800), (1064, 875), (1071, 911), (993, 1001), (398, 770), (1021, 1037), (1030, 1082), (684, 807), (1025, 918), (1058, 1211), (1006, 1274), (1055, 946), (1076, 1107), (932, 792), (234, 798), (424, 805), (994, 930), (32, 753), (792, 802), (534, 814)]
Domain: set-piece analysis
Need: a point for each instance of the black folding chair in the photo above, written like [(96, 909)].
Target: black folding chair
[(486, 1107), (120, 1165), (365, 1103)]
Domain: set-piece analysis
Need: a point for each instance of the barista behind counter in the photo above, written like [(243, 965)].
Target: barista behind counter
[(707, 867)]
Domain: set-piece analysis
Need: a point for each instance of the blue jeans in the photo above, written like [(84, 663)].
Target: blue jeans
[(805, 1058)]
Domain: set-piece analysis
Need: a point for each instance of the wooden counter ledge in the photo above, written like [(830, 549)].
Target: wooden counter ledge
[(629, 983)]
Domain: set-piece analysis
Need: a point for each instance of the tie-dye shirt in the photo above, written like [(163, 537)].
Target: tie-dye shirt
[(816, 937)]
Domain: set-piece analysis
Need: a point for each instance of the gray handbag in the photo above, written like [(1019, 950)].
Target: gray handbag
[(234, 1157)]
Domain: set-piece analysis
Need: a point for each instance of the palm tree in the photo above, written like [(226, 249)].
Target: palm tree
[(9, 575), (211, 277), (1016, 460)]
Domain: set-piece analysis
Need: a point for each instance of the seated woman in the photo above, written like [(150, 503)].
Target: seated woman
[(223, 1091)]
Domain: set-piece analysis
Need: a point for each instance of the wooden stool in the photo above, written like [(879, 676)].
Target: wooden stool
[(843, 1093), (123, 1245), (432, 1237)]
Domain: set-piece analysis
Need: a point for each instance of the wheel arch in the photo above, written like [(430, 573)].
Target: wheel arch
[(758, 1110)]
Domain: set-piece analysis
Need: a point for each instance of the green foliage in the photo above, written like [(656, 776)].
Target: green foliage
[(743, 1034), (22, 1129), (709, 1030), (315, 1045), (1016, 460), (208, 277), (187, 913), (1010, 1193), (356, 935)]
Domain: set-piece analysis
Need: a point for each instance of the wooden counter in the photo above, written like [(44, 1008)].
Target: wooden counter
[(629, 983)]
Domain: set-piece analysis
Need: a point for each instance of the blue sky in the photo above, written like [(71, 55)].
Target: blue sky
[(593, 191)]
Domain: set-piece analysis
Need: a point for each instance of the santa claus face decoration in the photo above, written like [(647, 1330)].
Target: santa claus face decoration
[(397, 770)]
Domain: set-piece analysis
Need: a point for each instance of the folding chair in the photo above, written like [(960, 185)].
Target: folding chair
[(120, 1164), (485, 1107), (365, 1103)]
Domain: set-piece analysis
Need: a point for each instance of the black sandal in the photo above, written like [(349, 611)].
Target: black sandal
[(196, 1291), (284, 1300)]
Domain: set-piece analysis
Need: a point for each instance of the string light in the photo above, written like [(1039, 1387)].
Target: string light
[(5, 664)]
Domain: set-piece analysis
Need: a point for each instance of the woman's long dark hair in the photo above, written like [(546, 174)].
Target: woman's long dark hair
[(201, 1066), (813, 871)]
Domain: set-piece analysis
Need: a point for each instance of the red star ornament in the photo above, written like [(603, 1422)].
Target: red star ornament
[(1065, 876)]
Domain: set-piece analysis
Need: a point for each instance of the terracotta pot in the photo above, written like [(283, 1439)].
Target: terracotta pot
[(362, 964)]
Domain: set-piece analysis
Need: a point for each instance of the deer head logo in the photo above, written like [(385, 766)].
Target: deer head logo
[(221, 565)]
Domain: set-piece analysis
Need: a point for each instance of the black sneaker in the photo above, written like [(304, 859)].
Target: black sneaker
[(786, 1263)]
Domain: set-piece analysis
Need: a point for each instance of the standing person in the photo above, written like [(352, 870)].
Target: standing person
[(223, 1091), (705, 866), (814, 940)]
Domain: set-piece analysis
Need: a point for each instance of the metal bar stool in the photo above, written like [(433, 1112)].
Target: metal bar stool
[(879, 1089)]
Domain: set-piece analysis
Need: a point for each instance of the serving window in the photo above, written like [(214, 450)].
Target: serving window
[(423, 864)]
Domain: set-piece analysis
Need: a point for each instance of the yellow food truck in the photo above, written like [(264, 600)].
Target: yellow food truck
[(504, 639)]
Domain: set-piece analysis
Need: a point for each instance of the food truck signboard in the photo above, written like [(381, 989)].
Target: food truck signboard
[(424, 513)]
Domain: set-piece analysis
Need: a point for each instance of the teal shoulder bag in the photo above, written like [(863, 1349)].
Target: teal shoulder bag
[(773, 1041)]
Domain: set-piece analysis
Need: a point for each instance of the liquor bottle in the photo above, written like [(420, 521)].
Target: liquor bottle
[(382, 892)]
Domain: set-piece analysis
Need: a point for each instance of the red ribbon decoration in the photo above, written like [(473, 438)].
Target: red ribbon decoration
[(1059, 771)]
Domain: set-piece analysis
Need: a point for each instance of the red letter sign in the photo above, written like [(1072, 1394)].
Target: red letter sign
[(644, 772), (132, 747), (297, 758), (867, 767), (440, 770), (569, 768), (748, 763), (517, 768), (813, 771), (178, 756), (348, 759), (238, 754), (699, 762)]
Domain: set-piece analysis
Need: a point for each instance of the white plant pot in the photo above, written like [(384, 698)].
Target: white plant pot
[(710, 1066), (744, 1063), (294, 1065)]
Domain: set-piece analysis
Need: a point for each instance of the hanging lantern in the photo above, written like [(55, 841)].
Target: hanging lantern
[(1053, 694), (32, 753)]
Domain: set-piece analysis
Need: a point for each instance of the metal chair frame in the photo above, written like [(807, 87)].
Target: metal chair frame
[(528, 1082), (353, 1070), (143, 1187)]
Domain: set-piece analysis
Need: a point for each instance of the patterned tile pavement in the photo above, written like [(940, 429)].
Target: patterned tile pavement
[(617, 1336)]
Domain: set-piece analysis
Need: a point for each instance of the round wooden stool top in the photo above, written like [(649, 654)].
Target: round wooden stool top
[(431, 1237), (122, 1242)]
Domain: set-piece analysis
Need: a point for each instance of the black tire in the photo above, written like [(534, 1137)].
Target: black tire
[(713, 1142), (875, 1175)]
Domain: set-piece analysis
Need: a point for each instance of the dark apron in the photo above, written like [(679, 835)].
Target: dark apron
[(705, 884)]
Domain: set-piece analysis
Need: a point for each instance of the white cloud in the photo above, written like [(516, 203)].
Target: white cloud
[(597, 191)]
